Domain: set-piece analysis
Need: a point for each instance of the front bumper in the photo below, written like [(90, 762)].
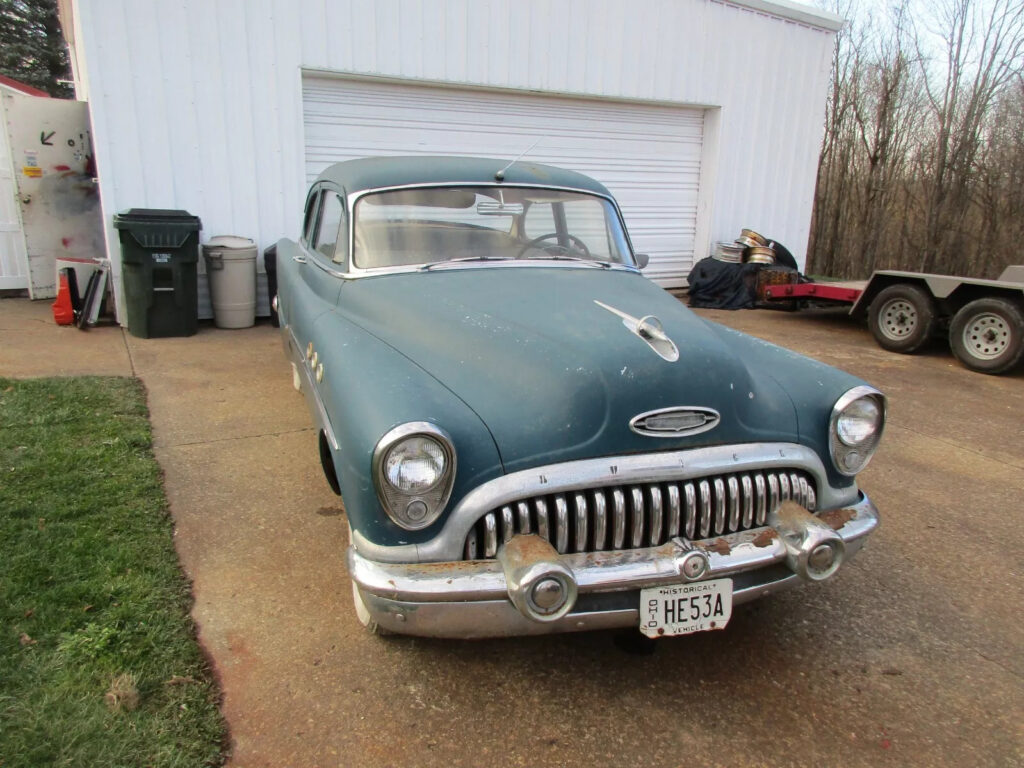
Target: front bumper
[(473, 599)]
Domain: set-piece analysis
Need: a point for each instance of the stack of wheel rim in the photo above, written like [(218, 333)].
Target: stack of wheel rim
[(986, 334)]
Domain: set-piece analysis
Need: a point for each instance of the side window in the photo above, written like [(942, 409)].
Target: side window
[(331, 214), (309, 220)]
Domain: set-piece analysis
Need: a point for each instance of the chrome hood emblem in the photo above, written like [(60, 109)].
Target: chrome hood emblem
[(649, 329), (675, 422)]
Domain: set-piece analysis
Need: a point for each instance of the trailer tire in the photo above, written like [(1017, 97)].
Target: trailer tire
[(987, 335), (902, 318)]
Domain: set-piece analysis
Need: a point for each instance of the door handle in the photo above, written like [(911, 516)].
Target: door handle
[(299, 259)]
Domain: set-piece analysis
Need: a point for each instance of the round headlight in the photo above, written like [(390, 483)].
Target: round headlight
[(859, 421), (855, 428), (414, 471), (415, 465)]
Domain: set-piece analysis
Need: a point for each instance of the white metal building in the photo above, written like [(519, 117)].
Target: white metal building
[(701, 116)]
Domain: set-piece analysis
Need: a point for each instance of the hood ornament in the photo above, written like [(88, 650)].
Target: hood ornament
[(675, 422), (649, 329)]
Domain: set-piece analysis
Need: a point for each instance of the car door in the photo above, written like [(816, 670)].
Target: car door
[(313, 276)]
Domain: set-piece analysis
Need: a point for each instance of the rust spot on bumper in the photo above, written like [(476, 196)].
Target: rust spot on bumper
[(719, 546), (765, 537), (837, 518)]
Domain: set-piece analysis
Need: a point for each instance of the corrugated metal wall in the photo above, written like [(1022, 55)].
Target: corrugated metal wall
[(197, 104)]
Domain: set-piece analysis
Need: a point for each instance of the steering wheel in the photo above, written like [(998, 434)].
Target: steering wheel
[(581, 247)]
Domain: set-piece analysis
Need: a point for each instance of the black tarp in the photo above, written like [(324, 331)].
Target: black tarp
[(718, 284)]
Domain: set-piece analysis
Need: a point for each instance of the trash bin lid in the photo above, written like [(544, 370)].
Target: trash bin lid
[(158, 216), (230, 241)]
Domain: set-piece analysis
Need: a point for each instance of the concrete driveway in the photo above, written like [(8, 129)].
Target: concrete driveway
[(911, 655)]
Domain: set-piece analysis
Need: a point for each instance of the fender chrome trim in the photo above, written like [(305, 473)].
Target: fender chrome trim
[(309, 387)]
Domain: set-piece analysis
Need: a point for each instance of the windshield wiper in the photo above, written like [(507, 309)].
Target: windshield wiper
[(431, 265), (564, 257)]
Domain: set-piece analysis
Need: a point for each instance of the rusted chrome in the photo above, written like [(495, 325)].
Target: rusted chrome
[(472, 548), (814, 551), (543, 523), (460, 599), (529, 563)]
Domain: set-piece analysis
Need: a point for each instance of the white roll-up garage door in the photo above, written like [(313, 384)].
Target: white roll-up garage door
[(647, 155)]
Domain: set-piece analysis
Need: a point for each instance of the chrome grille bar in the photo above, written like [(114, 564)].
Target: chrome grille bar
[(734, 503), (561, 524), (691, 510), (580, 502), (600, 519), (619, 512), (641, 515), (748, 501), (674, 511), (508, 526), (657, 514), (523, 511), (638, 517), (719, 505), (705, 508)]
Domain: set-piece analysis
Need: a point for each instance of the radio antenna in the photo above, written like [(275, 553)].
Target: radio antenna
[(500, 175)]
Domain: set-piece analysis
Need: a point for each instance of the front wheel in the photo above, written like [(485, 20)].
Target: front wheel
[(902, 318), (987, 335)]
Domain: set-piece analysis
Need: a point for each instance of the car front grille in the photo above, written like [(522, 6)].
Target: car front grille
[(642, 515)]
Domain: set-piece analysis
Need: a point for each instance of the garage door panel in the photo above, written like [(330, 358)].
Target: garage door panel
[(647, 155)]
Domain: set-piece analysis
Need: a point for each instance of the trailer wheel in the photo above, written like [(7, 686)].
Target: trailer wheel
[(987, 335), (902, 318)]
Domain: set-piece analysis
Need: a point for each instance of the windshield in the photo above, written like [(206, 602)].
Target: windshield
[(426, 225)]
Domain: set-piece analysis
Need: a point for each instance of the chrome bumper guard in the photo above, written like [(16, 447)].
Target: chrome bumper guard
[(518, 593)]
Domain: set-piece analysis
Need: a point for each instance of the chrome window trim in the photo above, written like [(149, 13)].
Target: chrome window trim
[(584, 474), (856, 393), (356, 273)]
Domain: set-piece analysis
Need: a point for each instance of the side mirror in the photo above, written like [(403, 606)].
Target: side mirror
[(642, 259)]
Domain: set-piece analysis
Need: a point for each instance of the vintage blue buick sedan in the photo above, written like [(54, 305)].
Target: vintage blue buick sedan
[(528, 435)]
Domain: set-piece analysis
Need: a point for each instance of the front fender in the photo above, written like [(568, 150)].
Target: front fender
[(367, 389)]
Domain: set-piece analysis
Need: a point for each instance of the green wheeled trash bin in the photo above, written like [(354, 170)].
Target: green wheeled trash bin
[(159, 255)]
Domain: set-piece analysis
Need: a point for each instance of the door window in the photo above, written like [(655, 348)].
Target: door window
[(332, 212)]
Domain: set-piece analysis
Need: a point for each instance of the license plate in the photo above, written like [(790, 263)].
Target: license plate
[(685, 608)]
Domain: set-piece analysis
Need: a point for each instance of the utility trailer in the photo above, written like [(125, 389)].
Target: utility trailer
[(983, 319)]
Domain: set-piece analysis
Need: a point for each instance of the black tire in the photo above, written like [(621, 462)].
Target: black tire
[(987, 335), (902, 318)]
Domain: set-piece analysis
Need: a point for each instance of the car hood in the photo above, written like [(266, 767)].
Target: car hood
[(554, 375)]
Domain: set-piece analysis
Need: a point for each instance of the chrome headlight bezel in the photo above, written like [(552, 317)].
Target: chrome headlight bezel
[(848, 459), (397, 503)]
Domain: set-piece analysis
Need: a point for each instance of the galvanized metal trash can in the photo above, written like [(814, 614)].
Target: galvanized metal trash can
[(231, 270)]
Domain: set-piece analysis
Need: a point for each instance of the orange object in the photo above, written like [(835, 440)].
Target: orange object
[(63, 312)]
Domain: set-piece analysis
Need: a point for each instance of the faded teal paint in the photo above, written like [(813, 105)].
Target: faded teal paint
[(519, 364)]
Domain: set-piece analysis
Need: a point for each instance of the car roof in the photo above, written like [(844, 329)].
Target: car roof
[(377, 172)]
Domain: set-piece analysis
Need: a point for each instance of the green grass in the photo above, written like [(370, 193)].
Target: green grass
[(91, 589)]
